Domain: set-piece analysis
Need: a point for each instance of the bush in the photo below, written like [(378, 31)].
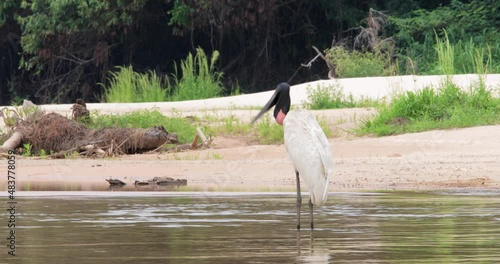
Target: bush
[(359, 64), (327, 97)]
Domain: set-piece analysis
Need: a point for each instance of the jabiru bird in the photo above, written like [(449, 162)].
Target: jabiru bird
[(307, 147)]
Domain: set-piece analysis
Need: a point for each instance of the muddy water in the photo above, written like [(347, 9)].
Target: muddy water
[(256, 228)]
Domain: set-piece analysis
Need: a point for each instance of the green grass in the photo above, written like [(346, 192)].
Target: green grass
[(427, 109), (200, 80), (147, 119), (27, 150), (234, 126), (445, 55), (268, 131), (127, 86), (450, 55), (216, 156), (265, 131), (195, 77), (332, 97)]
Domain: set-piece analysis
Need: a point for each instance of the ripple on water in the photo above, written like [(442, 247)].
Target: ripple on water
[(350, 228)]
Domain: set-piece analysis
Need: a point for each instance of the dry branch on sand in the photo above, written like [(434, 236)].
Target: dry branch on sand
[(62, 136)]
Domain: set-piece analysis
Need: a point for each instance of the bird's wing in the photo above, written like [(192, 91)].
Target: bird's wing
[(323, 148)]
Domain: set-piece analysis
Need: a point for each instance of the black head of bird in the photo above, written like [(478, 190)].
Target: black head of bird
[(281, 101)]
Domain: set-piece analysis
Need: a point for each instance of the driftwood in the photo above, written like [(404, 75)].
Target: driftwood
[(13, 142), (161, 181), (115, 182), (194, 144), (331, 67)]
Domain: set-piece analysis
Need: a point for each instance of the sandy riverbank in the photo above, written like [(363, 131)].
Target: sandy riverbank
[(458, 158)]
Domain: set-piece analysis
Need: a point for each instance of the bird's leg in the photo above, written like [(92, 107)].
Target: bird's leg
[(299, 199), (311, 213)]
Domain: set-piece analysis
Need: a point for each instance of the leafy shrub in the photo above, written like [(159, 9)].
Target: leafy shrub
[(327, 97), (358, 64)]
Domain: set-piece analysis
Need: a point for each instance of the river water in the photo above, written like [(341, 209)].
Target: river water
[(152, 227)]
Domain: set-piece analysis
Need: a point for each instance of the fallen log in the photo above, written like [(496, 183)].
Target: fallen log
[(55, 133)]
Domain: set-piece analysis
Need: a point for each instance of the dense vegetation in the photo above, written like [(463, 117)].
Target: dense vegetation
[(54, 51)]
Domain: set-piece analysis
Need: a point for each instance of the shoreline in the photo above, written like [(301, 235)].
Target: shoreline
[(466, 158), (432, 160)]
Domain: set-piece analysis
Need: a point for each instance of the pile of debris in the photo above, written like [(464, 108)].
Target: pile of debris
[(61, 136)]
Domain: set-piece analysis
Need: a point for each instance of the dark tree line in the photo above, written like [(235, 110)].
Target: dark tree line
[(55, 52)]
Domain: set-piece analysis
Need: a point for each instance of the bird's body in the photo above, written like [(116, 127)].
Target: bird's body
[(307, 147), (310, 153)]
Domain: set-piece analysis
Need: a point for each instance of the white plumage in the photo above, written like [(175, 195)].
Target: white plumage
[(309, 151), (307, 147)]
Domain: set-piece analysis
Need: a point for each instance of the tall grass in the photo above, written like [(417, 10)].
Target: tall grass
[(446, 55), (199, 80), (462, 57), (195, 77), (126, 86)]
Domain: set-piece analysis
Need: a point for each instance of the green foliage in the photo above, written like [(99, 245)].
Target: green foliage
[(465, 30), (180, 16), (463, 57), (332, 97), (127, 86), (265, 131), (147, 119), (42, 153), (6, 7), (269, 132), (199, 80), (354, 63), (446, 107), (27, 150), (446, 56), (234, 126), (42, 20), (67, 46)]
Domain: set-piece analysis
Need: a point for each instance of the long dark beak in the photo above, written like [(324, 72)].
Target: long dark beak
[(272, 102)]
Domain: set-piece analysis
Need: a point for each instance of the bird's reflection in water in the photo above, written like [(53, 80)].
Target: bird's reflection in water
[(308, 253)]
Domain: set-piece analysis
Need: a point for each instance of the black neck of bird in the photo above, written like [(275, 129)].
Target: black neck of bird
[(283, 103)]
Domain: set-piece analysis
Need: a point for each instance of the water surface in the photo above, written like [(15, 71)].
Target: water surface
[(401, 227)]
